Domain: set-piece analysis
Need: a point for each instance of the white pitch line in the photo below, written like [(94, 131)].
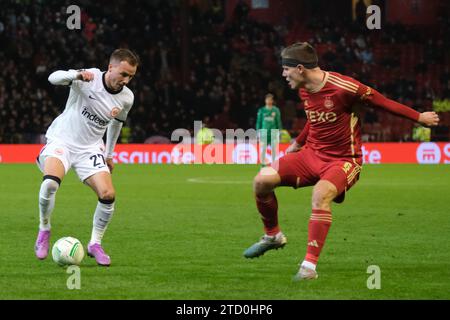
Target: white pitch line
[(205, 180)]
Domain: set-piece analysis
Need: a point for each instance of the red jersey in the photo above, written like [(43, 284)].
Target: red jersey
[(333, 127)]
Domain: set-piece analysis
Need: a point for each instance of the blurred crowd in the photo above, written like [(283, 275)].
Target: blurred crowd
[(217, 70)]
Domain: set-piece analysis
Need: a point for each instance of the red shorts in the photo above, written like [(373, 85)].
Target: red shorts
[(306, 167)]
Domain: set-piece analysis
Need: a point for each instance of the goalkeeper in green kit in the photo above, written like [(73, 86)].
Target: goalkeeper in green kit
[(268, 126)]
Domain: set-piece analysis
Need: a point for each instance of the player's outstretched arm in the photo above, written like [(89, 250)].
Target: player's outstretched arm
[(375, 98), (65, 78)]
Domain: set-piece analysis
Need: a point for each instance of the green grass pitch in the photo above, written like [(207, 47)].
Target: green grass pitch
[(179, 233)]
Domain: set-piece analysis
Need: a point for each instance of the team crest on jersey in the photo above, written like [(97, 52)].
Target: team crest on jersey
[(115, 111), (273, 114), (328, 103)]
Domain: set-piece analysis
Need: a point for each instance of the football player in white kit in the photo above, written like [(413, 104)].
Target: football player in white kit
[(98, 102)]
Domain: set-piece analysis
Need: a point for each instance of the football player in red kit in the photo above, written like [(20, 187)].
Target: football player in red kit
[(327, 153)]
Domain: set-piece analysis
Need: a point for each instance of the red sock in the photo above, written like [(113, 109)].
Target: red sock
[(319, 223), (268, 208)]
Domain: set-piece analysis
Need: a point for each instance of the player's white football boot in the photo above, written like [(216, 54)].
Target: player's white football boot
[(305, 274)]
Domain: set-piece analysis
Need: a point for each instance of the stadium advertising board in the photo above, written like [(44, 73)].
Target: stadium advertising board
[(375, 153)]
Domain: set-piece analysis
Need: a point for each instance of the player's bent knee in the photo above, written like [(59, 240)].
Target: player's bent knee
[(319, 200), (323, 194), (267, 171), (54, 167), (265, 181), (107, 195), (259, 185)]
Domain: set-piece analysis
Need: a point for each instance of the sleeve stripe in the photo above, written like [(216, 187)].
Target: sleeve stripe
[(342, 86), (123, 121), (344, 82)]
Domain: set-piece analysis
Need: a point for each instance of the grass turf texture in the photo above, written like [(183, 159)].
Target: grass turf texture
[(179, 233)]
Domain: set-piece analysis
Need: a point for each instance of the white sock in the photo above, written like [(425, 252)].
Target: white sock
[(102, 216), (278, 235), (308, 265), (46, 202)]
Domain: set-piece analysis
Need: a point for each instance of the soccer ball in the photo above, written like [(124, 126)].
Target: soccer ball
[(68, 251)]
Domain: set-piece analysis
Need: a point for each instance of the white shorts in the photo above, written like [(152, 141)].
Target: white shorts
[(85, 162)]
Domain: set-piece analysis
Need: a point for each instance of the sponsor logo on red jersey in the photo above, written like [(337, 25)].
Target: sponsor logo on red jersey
[(321, 116)]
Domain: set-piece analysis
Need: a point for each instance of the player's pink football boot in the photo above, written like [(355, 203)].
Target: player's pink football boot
[(42, 244), (96, 251)]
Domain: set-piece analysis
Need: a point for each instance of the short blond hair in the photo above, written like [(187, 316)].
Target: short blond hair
[(125, 55)]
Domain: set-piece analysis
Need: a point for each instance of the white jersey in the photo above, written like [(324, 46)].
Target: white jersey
[(89, 109)]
